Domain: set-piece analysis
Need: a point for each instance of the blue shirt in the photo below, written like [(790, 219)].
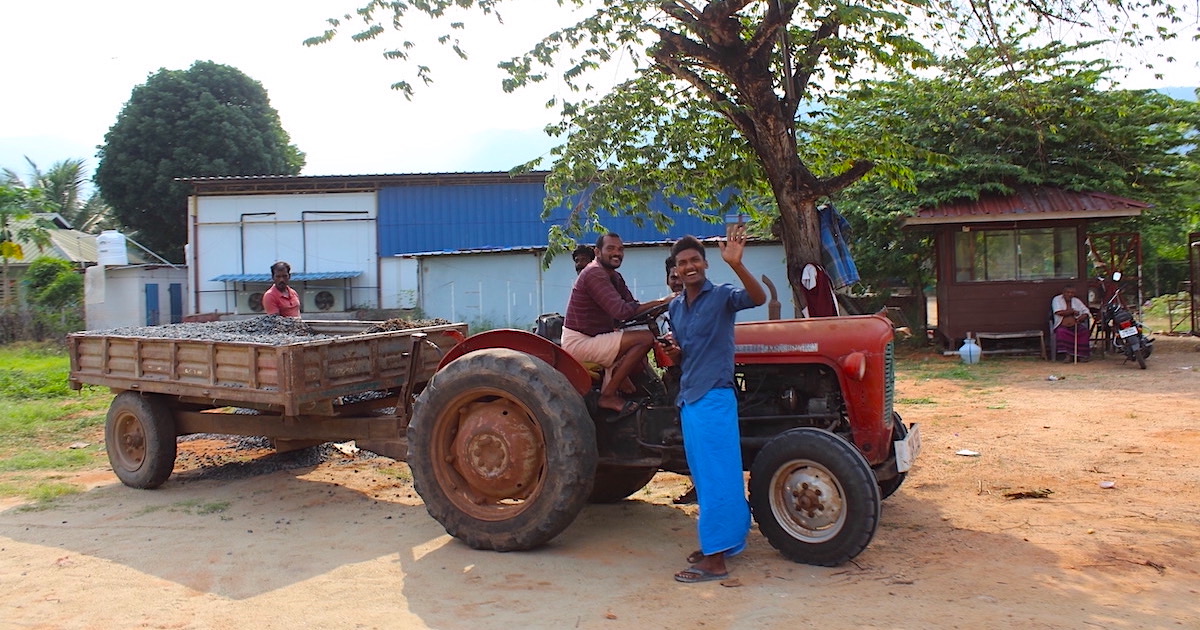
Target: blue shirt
[(704, 332)]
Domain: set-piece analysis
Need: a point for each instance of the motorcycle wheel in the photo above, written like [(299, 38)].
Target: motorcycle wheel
[(1140, 354)]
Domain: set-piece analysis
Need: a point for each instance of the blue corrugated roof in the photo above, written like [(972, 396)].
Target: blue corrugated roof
[(296, 277), (421, 219)]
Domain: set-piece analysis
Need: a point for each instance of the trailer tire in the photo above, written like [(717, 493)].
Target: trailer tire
[(139, 436), (614, 483), (502, 450), (814, 497)]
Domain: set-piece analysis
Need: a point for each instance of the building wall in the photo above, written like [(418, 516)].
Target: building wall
[(510, 289), (314, 232), (116, 296)]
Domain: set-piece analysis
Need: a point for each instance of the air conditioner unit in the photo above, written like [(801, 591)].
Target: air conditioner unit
[(324, 301), (250, 302)]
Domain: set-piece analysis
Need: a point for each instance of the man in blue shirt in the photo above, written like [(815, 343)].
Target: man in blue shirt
[(702, 318)]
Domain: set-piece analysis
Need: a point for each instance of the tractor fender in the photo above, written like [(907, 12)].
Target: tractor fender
[(530, 344)]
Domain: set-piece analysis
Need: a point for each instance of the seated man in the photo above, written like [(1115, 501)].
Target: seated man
[(600, 299), (1072, 338)]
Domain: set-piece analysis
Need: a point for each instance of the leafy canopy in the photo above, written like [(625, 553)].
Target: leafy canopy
[(990, 126), (715, 96), (209, 120)]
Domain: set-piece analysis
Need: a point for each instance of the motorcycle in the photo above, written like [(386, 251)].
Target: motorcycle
[(1125, 332)]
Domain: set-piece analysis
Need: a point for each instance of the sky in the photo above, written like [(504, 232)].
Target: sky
[(73, 64)]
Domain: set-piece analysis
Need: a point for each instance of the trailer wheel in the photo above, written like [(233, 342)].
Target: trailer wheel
[(139, 435), (814, 497), (888, 487), (502, 450), (614, 483)]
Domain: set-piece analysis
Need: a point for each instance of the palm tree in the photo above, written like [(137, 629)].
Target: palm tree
[(63, 188)]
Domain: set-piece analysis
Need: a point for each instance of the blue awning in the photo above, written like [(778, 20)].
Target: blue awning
[(296, 277)]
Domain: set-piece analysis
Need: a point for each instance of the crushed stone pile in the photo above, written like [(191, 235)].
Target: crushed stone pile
[(269, 329), (405, 324)]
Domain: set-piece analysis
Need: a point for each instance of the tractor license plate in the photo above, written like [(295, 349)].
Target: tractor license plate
[(1127, 332), (908, 448)]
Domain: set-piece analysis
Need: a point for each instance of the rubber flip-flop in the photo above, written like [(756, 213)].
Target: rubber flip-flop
[(692, 575), (628, 409)]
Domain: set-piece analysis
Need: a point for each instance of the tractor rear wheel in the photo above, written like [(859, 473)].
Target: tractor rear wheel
[(814, 497), (502, 450)]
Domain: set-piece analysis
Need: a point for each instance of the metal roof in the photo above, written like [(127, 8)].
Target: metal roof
[(276, 184), (1035, 204), (296, 277)]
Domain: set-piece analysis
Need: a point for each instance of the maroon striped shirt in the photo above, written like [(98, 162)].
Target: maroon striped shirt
[(598, 301)]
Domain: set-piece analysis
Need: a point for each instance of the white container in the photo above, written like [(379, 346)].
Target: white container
[(969, 351), (111, 246)]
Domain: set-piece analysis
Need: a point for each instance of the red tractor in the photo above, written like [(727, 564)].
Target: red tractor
[(507, 445)]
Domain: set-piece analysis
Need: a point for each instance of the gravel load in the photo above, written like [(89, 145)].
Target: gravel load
[(405, 324), (274, 330)]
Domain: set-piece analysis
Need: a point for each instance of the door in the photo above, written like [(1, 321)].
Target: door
[(151, 304), (175, 291)]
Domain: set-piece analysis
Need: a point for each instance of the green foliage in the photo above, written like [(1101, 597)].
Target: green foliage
[(41, 419), (992, 126), (208, 120), (712, 108)]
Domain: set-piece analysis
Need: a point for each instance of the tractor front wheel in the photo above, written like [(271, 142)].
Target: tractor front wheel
[(814, 497)]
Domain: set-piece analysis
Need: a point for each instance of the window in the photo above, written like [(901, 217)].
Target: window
[(1023, 254)]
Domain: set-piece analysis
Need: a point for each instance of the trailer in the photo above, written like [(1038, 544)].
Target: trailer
[(347, 385)]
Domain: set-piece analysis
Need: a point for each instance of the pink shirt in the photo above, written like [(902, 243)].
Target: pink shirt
[(275, 303)]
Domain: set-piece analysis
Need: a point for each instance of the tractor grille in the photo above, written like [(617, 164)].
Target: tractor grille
[(889, 382)]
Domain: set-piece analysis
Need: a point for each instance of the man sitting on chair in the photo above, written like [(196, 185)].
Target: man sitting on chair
[(1072, 337)]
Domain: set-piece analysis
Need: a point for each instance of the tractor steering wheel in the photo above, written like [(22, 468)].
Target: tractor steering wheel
[(645, 318)]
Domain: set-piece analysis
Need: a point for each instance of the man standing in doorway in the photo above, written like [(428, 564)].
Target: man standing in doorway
[(702, 318), (281, 299), (600, 299)]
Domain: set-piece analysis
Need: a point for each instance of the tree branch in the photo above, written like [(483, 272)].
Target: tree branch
[(840, 182), (663, 55), (804, 67)]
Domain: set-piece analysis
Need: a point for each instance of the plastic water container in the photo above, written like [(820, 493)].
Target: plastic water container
[(111, 246), (969, 351)]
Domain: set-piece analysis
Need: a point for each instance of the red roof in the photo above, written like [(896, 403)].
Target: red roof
[(1030, 205)]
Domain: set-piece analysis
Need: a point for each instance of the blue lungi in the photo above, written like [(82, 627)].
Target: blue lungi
[(714, 455)]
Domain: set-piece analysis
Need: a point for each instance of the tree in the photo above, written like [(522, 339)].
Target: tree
[(990, 126), (17, 203), (64, 186), (209, 120), (713, 112)]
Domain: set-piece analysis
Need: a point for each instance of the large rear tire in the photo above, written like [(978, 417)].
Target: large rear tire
[(1139, 353), (814, 497), (614, 483), (502, 450), (139, 435)]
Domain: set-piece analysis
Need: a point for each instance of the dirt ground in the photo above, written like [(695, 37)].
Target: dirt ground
[(347, 543)]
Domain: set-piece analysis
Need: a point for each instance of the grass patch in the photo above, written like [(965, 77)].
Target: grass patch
[(916, 401), (69, 459), (41, 417)]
